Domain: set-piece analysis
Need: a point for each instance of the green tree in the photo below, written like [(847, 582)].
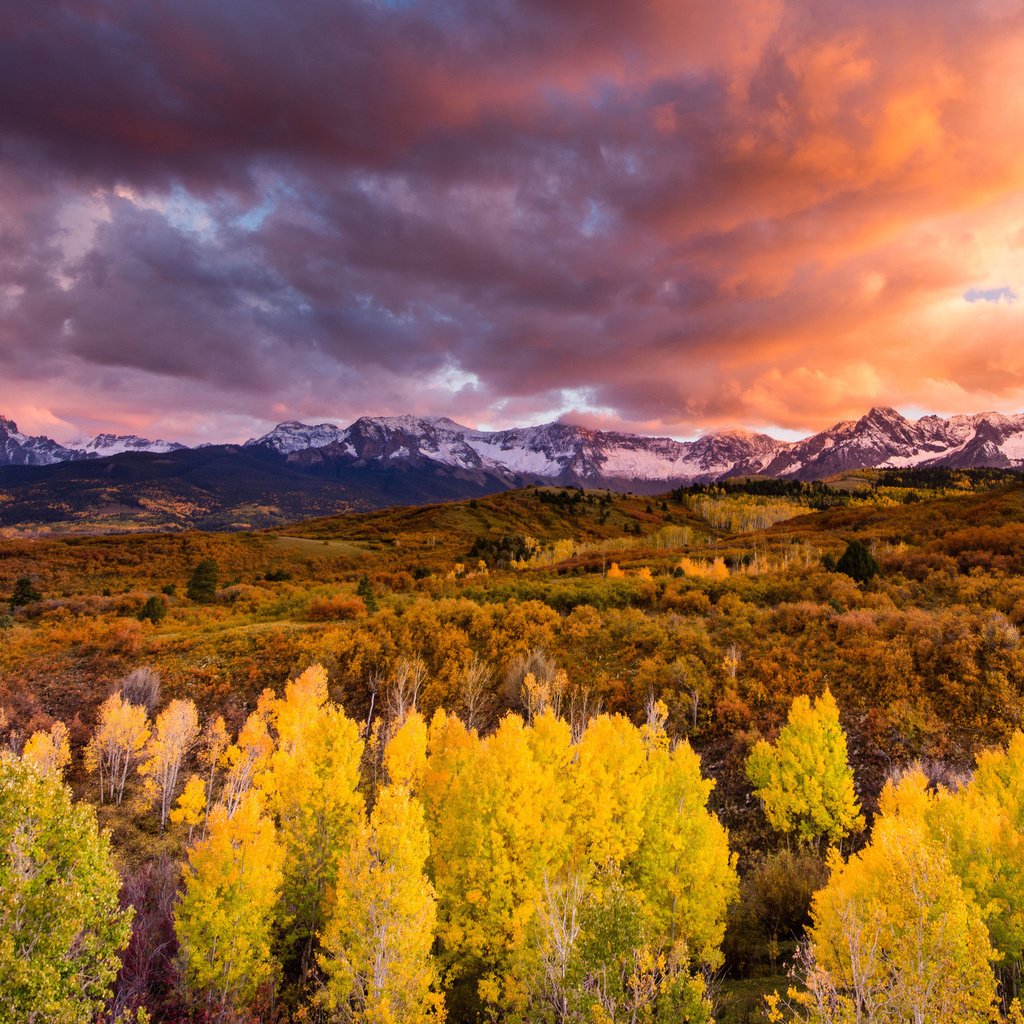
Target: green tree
[(202, 586), (857, 562), (25, 592), (365, 590), (61, 928), (154, 609), (804, 778)]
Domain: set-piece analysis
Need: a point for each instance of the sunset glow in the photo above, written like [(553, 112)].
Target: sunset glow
[(653, 216)]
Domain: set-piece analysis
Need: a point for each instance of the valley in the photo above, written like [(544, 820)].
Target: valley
[(721, 604)]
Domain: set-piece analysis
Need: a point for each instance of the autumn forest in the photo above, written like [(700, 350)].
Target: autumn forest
[(734, 753)]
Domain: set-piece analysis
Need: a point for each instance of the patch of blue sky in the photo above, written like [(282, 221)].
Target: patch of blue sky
[(1003, 294), (253, 218)]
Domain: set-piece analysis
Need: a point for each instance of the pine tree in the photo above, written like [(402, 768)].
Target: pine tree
[(364, 589), (202, 586), (154, 610), (25, 592), (858, 563)]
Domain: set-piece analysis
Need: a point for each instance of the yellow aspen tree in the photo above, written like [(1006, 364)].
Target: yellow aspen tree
[(405, 757), (612, 786), (646, 891), (175, 734), (312, 786), (117, 744), (683, 866), (49, 751), (377, 939), (498, 828), (895, 937), (247, 758), (981, 827), (224, 919), (213, 747), (451, 747), (190, 808), (804, 778)]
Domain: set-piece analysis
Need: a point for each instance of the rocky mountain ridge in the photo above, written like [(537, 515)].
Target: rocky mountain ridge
[(18, 449), (563, 453)]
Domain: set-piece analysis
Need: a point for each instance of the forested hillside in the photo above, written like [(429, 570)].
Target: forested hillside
[(549, 755)]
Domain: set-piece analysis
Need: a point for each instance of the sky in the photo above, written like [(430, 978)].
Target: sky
[(666, 216)]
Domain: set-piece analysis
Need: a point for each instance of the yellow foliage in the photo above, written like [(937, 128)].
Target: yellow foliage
[(894, 928), (381, 919), (225, 916), (405, 757), (49, 751), (804, 778), (715, 570), (190, 808), (176, 732), (312, 785), (116, 745)]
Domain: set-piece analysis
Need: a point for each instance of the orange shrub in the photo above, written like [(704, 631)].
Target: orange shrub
[(334, 609)]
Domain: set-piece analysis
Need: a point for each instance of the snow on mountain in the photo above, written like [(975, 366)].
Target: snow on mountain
[(296, 437), (116, 444), (883, 439), (18, 449), (557, 452), (562, 453)]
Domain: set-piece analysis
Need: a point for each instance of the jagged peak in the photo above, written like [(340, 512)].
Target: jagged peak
[(884, 414)]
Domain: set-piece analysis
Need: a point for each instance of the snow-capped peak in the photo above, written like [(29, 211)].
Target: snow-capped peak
[(564, 453), (116, 444), (18, 449), (293, 436)]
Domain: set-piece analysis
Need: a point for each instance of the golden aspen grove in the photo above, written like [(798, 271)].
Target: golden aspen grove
[(556, 755)]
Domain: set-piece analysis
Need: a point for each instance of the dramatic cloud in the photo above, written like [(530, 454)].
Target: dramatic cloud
[(664, 216)]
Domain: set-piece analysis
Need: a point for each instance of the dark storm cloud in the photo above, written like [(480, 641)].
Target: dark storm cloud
[(760, 211)]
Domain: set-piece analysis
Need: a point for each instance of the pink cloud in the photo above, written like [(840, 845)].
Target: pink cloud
[(756, 212)]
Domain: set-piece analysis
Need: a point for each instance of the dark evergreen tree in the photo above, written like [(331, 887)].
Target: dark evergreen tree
[(857, 562), (365, 591), (25, 592), (203, 584), (154, 609)]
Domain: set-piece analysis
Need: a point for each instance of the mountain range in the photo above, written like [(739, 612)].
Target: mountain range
[(300, 469), (562, 453), (18, 449)]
